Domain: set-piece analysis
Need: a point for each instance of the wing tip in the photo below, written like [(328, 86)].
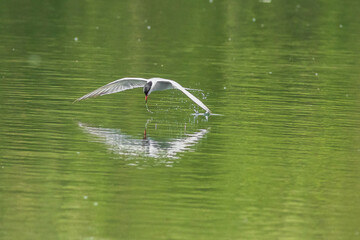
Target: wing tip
[(80, 99)]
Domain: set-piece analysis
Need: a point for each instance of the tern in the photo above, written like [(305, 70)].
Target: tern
[(148, 85)]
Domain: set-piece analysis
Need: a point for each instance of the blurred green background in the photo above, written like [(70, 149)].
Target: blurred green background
[(280, 161)]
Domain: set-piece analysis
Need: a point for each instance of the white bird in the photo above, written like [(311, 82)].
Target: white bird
[(149, 86)]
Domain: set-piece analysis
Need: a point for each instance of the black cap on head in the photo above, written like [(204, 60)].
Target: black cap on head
[(147, 87)]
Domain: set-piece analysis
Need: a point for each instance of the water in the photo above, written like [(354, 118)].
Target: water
[(279, 161)]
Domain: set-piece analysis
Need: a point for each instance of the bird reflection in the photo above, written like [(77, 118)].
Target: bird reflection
[(125, 144)]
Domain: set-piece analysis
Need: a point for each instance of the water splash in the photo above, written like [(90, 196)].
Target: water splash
[(147, 108)]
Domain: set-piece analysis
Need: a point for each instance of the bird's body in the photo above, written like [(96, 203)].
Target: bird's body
[(149, 86)]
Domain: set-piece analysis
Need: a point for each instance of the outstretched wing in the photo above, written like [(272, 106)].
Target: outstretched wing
[(115, 86), (175, 85)]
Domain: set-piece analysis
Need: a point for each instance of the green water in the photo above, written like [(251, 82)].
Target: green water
[(280, 161)]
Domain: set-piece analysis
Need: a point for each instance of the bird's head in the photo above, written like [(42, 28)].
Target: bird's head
[(147, 88)]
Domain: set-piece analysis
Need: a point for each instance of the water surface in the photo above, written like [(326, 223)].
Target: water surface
[(280, 161)]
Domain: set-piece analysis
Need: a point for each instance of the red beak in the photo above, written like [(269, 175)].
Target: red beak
[(146, 98)]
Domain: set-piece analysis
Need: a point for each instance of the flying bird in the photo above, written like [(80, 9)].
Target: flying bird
[(148, 85)]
